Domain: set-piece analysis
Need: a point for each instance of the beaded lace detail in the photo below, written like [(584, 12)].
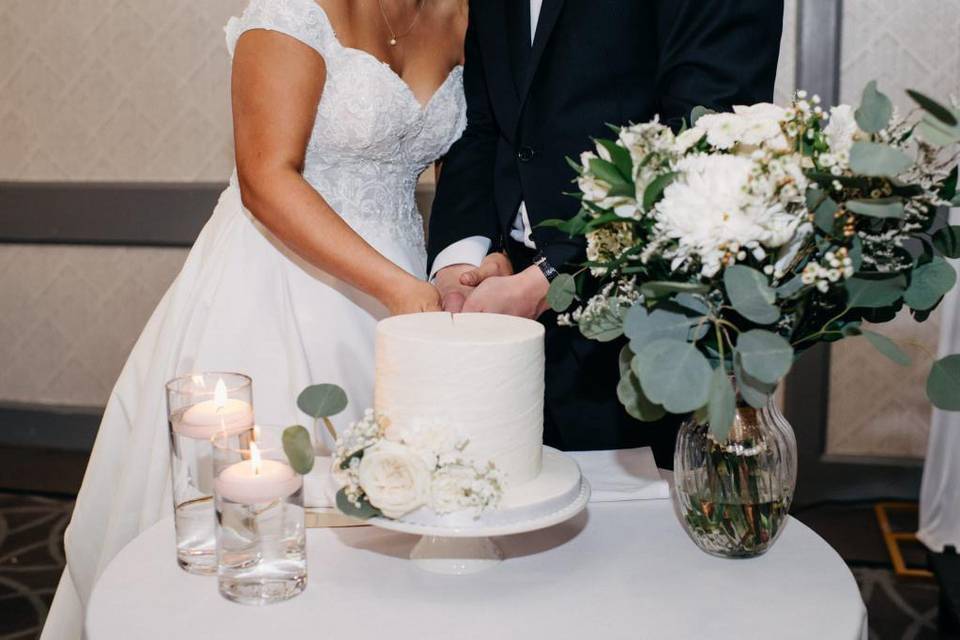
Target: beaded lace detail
[(372, 138)]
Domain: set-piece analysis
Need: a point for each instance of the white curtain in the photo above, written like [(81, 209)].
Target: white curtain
[(940, 492)]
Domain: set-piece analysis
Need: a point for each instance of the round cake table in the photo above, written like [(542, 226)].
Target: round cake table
[(618, 570)]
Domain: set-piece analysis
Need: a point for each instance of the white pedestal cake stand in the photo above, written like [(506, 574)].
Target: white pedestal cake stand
[(460, 544)]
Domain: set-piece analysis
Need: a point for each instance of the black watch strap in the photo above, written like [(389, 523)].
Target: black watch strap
[(544, 265)]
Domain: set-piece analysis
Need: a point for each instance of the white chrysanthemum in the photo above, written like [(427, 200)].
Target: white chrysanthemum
[(842, 131), (710, 213)]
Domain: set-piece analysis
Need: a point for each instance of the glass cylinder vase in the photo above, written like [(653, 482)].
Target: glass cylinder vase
[(261, 534), (199, 406), (733, 497)]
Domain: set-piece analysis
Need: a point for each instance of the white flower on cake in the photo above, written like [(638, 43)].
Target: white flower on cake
[(393, 469), (460, 486), (395, 478)]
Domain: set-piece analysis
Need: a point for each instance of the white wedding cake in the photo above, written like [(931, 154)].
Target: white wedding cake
[(481, 375)]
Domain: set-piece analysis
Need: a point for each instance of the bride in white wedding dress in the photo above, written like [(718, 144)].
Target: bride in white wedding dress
[(337, 110)]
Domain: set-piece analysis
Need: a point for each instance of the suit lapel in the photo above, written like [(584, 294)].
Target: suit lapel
[(549, 14), (517, 17)]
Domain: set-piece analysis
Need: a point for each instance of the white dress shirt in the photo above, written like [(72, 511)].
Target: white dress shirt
[(474, 249)]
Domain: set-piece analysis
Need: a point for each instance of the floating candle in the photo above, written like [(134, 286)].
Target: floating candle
[(222, 414), (255, 481)]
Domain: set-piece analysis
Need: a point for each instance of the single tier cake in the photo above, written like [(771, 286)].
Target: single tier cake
[(481, 374)]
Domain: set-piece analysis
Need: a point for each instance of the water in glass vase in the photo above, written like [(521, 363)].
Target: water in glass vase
[(262, 550), (733, 497), (194, 520)]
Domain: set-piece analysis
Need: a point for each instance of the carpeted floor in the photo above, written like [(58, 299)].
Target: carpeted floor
[(31, 558)]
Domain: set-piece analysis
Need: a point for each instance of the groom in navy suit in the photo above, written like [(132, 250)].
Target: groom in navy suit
[(541, 78)]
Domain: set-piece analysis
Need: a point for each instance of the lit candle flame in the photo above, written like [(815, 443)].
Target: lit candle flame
[(220, 394), (255, 458)]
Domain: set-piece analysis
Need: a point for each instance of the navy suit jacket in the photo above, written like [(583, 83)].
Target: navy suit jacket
[(593, 63)]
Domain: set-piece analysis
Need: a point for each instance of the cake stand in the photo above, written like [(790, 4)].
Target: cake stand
[(460, 544)]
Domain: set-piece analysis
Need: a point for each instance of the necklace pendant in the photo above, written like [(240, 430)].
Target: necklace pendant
[(393, 42)]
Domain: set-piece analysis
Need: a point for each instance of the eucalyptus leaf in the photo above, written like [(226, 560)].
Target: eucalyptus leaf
[(856, 253), (322, 400), (874, 292), (878, 160), (753, 391), (764, 355), (626, 357), (698, 112), (880, 208), (938, 134), (655, 290), (790, 287), (825, 215), (658, 324), (875, 110), (943, 384), (562, 292), (635, 401), (887, 347), (751, 295), (347, 508), (692, 304), (947, 241), (673, 374), (934, 108), (722, 405), (299, 449), (928, 283), (603, 327)]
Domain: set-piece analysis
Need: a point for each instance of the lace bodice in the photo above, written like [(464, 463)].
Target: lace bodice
[(372, 138)]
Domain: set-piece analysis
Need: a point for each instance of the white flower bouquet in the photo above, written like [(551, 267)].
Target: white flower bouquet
[(392, 470), (728, 249)]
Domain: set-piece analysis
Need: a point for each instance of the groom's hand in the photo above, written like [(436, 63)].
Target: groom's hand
[(495, 264), (452, 292), (523, 295)]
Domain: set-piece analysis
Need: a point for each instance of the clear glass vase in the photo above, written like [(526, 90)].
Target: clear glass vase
[(733, 497)]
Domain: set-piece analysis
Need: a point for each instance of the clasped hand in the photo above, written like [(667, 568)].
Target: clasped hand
[(493, 288)]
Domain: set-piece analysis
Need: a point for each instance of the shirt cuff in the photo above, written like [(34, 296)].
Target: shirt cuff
[(470, 250)]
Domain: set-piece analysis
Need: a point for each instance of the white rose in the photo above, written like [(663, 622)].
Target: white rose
[(395, 479), (762, 126)]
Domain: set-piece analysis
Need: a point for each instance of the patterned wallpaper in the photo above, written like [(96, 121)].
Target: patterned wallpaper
[(70, 315), (114, 90), (877, 408)]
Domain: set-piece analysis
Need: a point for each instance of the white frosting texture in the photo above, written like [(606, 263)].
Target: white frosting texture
[(481, 374)]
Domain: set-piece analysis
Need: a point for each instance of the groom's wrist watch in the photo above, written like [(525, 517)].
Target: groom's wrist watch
[(545, 267)]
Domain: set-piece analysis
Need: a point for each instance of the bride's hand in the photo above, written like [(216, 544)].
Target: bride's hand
[(416, 296)]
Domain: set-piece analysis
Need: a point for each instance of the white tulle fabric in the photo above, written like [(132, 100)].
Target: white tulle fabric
[(243, 303)]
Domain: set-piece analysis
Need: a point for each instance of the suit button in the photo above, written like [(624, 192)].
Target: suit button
[(526, 154)]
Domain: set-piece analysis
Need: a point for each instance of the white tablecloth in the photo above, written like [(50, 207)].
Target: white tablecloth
[(619, 570)]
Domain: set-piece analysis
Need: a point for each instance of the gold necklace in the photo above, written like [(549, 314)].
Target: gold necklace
[(394, 37)]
